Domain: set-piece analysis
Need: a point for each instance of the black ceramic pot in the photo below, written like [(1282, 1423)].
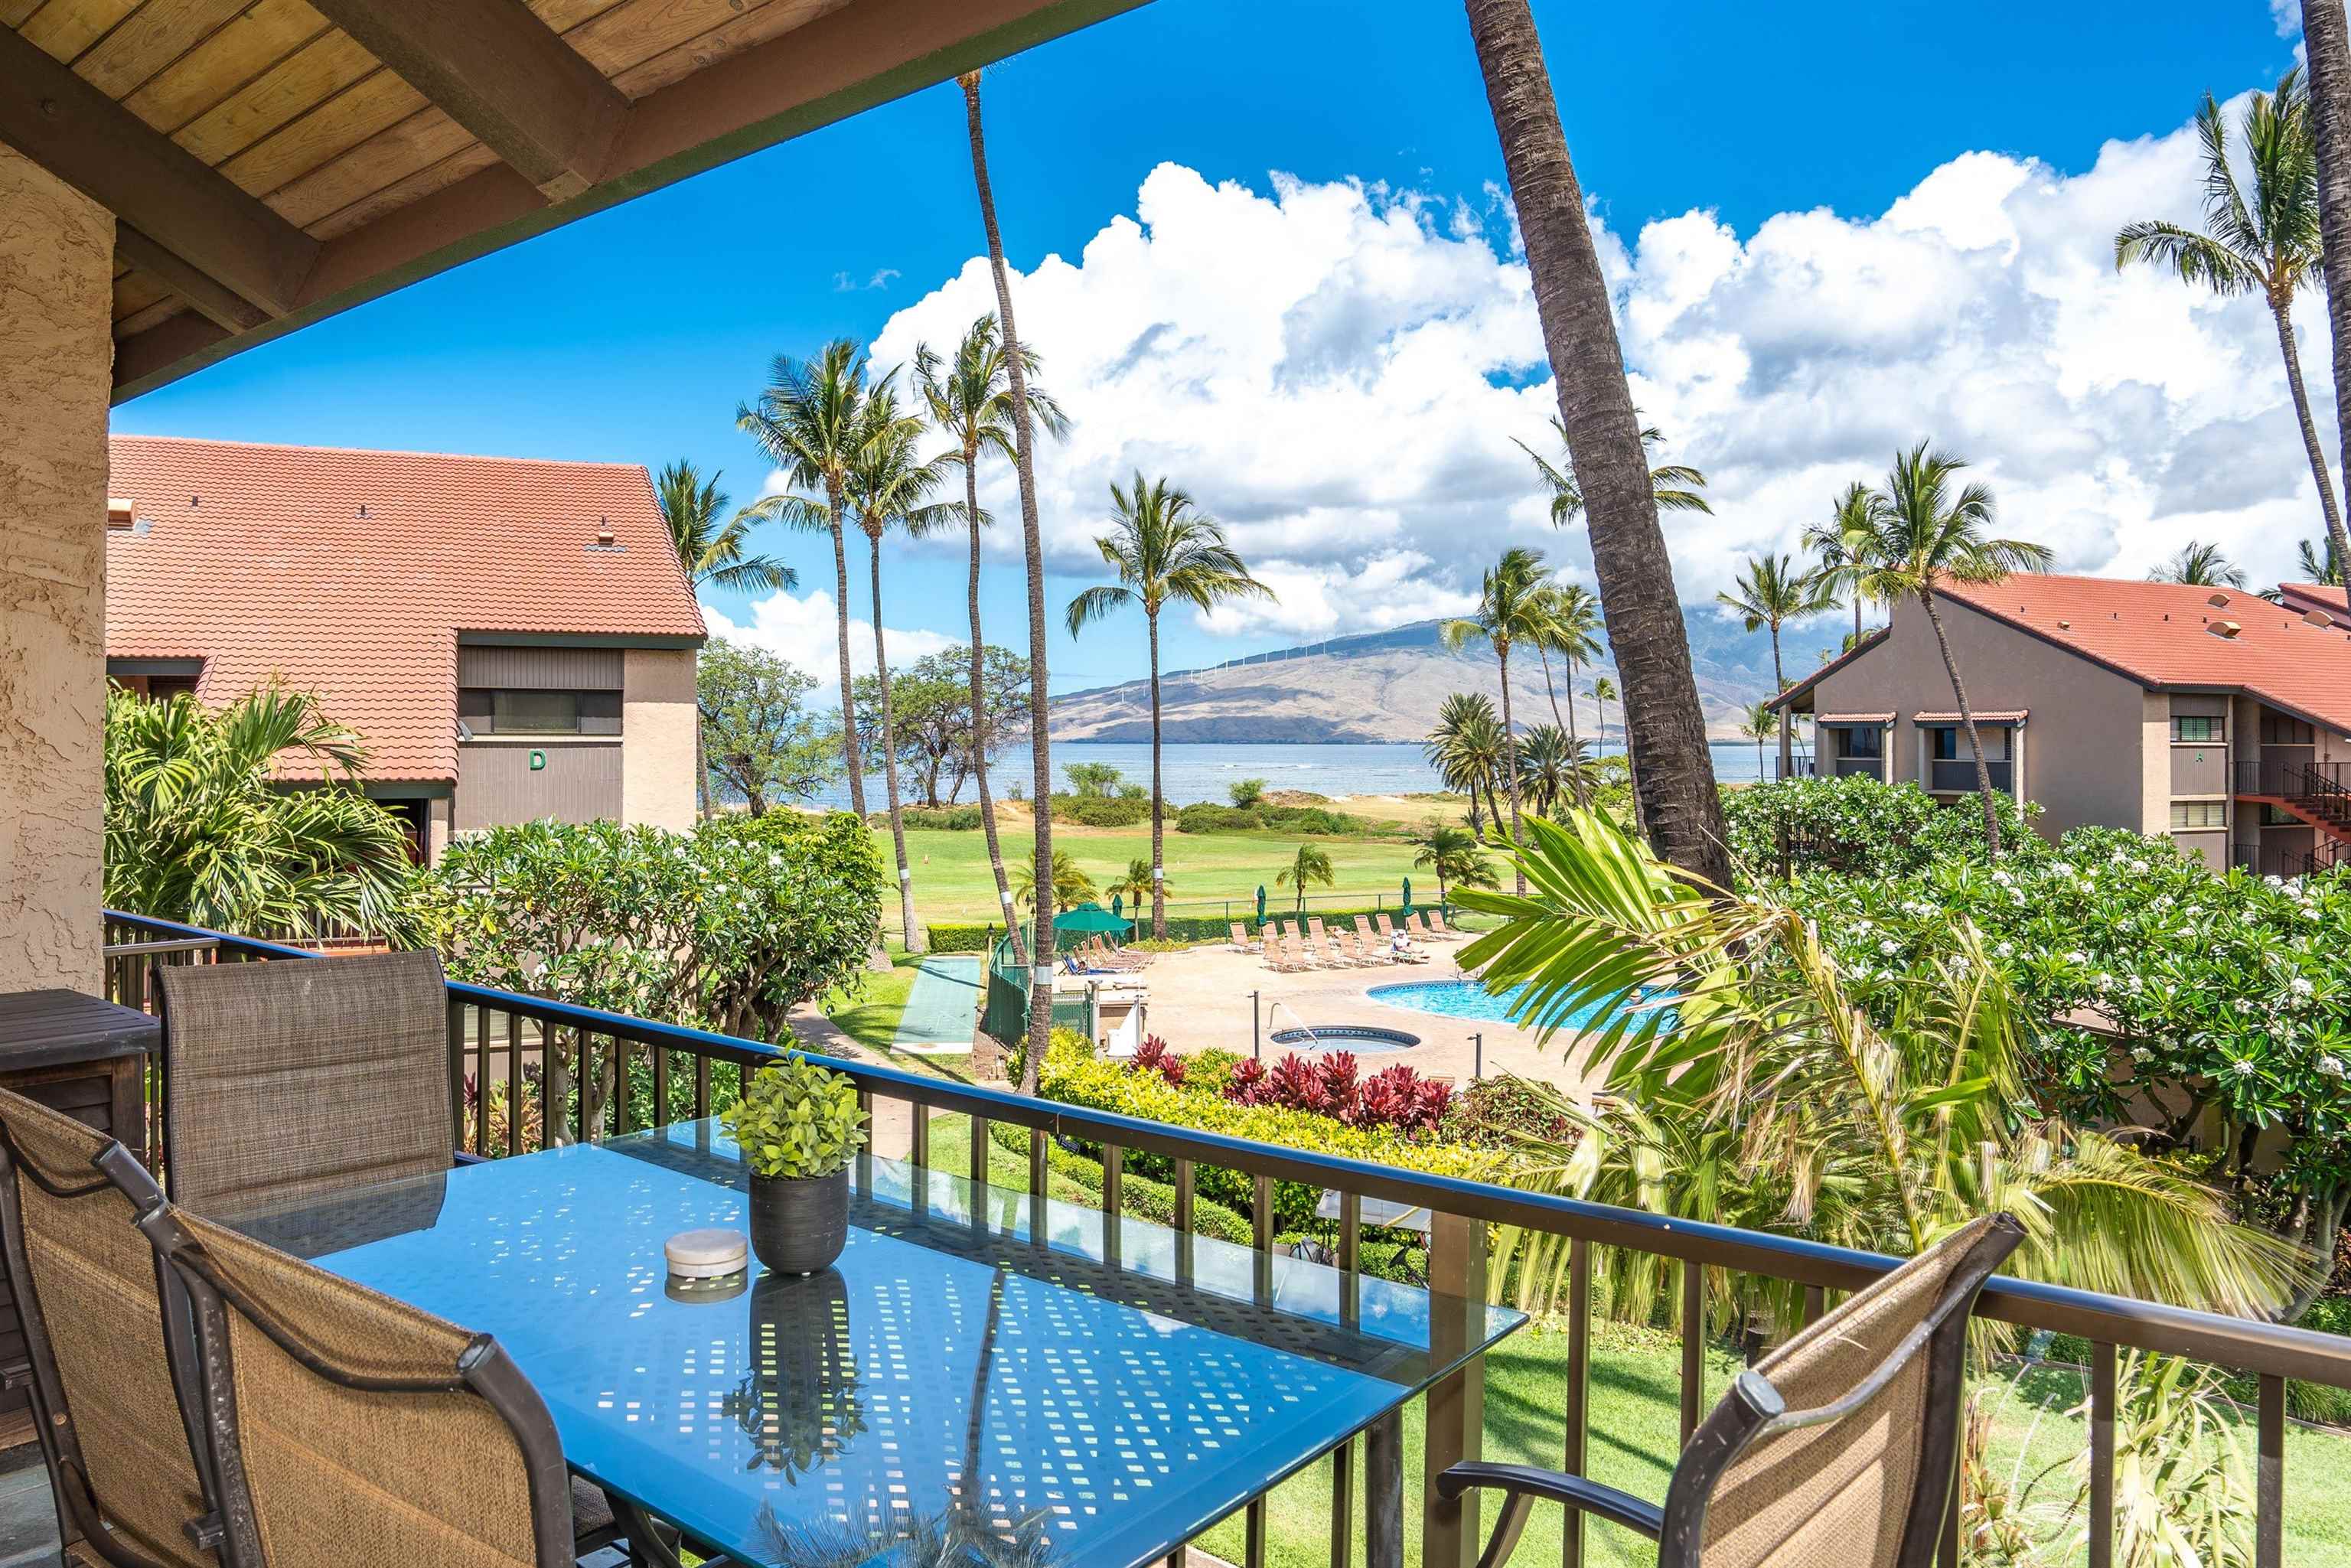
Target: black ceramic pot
[(799, 1226)]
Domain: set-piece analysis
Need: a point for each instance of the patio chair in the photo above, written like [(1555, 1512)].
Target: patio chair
[(349, 1426), (1839, 1446), (1393, 928), (1443, 931), (128, 1463), (294, 1079), (1240, 939)]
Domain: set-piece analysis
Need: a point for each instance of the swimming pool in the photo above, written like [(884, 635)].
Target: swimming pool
[(1362, 1038), (1467, 999)]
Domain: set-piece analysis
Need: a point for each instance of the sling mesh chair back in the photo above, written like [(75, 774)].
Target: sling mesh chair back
[(1836, 1450), (293, 1078), (352, 1427), (126, 1457)]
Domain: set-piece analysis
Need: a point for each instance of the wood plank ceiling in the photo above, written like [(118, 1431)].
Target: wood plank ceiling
[(274, 161)]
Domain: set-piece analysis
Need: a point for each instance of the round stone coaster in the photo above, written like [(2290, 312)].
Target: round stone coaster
[(706, 1254)]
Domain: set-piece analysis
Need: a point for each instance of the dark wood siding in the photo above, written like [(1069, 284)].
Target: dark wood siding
[(541, 669), (496, 783)]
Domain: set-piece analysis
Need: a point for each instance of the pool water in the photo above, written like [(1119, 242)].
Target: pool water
[(1467, 999)]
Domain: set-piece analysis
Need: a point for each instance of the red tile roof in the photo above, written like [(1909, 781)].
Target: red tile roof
[(258, 558), (2165, 635), (2315, 596)]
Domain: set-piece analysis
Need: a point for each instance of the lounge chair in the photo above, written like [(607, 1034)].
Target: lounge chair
[(1240, 939), (1839, 1446), (1436, 923), (288, 1080), (1424, 930)]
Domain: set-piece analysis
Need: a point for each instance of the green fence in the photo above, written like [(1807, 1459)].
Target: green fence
[(1006, 1016)]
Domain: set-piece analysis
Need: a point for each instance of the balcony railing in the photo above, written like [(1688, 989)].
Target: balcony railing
[(629, 1069), (1793, 767), (2290, 780), (1865, 767), (1950, 776)]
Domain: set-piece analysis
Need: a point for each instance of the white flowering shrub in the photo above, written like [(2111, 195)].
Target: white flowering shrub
[(1862, 827)]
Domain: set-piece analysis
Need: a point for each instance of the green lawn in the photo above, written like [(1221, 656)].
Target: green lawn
[(953, 881), (1636, 1405)]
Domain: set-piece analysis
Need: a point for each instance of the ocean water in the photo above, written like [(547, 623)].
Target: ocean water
[(1205, 772)]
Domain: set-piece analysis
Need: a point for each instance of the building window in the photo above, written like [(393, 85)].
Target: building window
[(2198, 814), (1865, 742), (515, 712), (2277, 729), (2199, 728), (2279, 817), (1943, 743), (1949, 743)]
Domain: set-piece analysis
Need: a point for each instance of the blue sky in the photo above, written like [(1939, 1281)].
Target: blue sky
[(633, 334)]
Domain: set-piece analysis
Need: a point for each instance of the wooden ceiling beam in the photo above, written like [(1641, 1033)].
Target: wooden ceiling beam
[(201, 292), (497, 70), (148, 181)]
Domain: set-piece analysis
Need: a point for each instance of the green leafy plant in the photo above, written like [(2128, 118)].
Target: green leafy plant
[(1863, 827), (796, 1120), (1246, 792)]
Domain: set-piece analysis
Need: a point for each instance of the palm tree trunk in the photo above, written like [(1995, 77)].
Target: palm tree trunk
[(1549, 690), (890, 764), (2327, 39), (1664, 727), (979, 716), (1158, 880), (1511, 760), (1041, 988), (1581, 784), (2283, 313), (1968, 721), (1787, 723), (848, 695)]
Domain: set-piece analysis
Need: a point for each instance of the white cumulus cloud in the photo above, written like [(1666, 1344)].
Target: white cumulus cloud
[(1338, 371), (803, 629)]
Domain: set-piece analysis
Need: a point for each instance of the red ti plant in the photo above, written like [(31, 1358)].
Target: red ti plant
[(1153, 1056)]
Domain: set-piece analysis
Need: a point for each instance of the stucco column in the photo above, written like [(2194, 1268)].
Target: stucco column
[(657, 727), (57, 369)]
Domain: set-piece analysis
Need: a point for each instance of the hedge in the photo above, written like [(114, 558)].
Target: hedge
[(1139, 1195), (1103, 810), (948, 938), (953, 818), (1208, 817)]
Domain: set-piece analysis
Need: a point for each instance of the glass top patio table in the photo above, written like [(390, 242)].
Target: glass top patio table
[(1005, 1369)]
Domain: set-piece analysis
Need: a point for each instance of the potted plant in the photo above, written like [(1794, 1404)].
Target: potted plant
[(798, 1126)]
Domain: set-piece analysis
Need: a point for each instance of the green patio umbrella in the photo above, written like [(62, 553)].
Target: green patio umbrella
[(1114, 899), (1091, 917), (1408, 896), (1260, 904)]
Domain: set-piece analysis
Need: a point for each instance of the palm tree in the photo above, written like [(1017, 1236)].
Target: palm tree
[(1032, 546), (889, 488), (1929, 534), (970, 400), (198, 830), (1071, 886), (1759, 723), (1163, 548), (1135, 885), (1604, 692), (2199, 566), (1551, 764), (2330, 49), (1788, 1105), (1310, 864), (1769, 590), (1454, 855), (1840, 537), (1675, 485), (1509, 610), (2320, 564), (1571, 617), (809, 423), (711, 552), (2264, 240), (1466, 748), (1665, 726)]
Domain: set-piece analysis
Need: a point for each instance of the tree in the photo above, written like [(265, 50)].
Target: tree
[(1785, 1104), (811, 423), (1665, 726), (1675, 485), (937, 737), (1511, 609), (1135, 885), (2323, 36), (2201, 565), (1164, 549), (1466, 749), (1070, 886), (1839, 540), (1309, 866), (1246, 792), (2320, 564), (1033, 545), (1551, 764), (1604, 692), (764, 745), (889, 488), (1927, 534), (248, 820), (711, 552), (1453, 853), (970, 400), (1759, 723), (2263, 241), (1092, 780), (1571, 628), (1771, 590)]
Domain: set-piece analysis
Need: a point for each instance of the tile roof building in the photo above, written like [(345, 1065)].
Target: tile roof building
[(2212, 715), (512, 638)]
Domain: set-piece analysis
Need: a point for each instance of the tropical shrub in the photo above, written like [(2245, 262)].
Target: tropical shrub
[(1208, 817), (248, 820), (950, 938), (1139, 1195), (1331, 1086), (953, 818), (1102, 810), (1153, 1056), (1860, 826), (797, 1121), (727, 929), (1246, 792)]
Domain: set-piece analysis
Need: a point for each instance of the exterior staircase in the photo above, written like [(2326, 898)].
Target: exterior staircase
[(2315, 793)]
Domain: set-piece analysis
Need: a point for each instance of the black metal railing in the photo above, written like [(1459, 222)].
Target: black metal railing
[(2291, 778), (1868, 767), (1794, 767), (632, 1067), (1949, 776)]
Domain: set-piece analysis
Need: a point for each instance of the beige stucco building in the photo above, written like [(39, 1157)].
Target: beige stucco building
[(512, 639), (2214, 715)]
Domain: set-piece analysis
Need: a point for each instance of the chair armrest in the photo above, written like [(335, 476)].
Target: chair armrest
[(1553, 1486), (462, 1158)]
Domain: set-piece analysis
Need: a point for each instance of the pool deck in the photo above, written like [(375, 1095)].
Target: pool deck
[(1201, 997)]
